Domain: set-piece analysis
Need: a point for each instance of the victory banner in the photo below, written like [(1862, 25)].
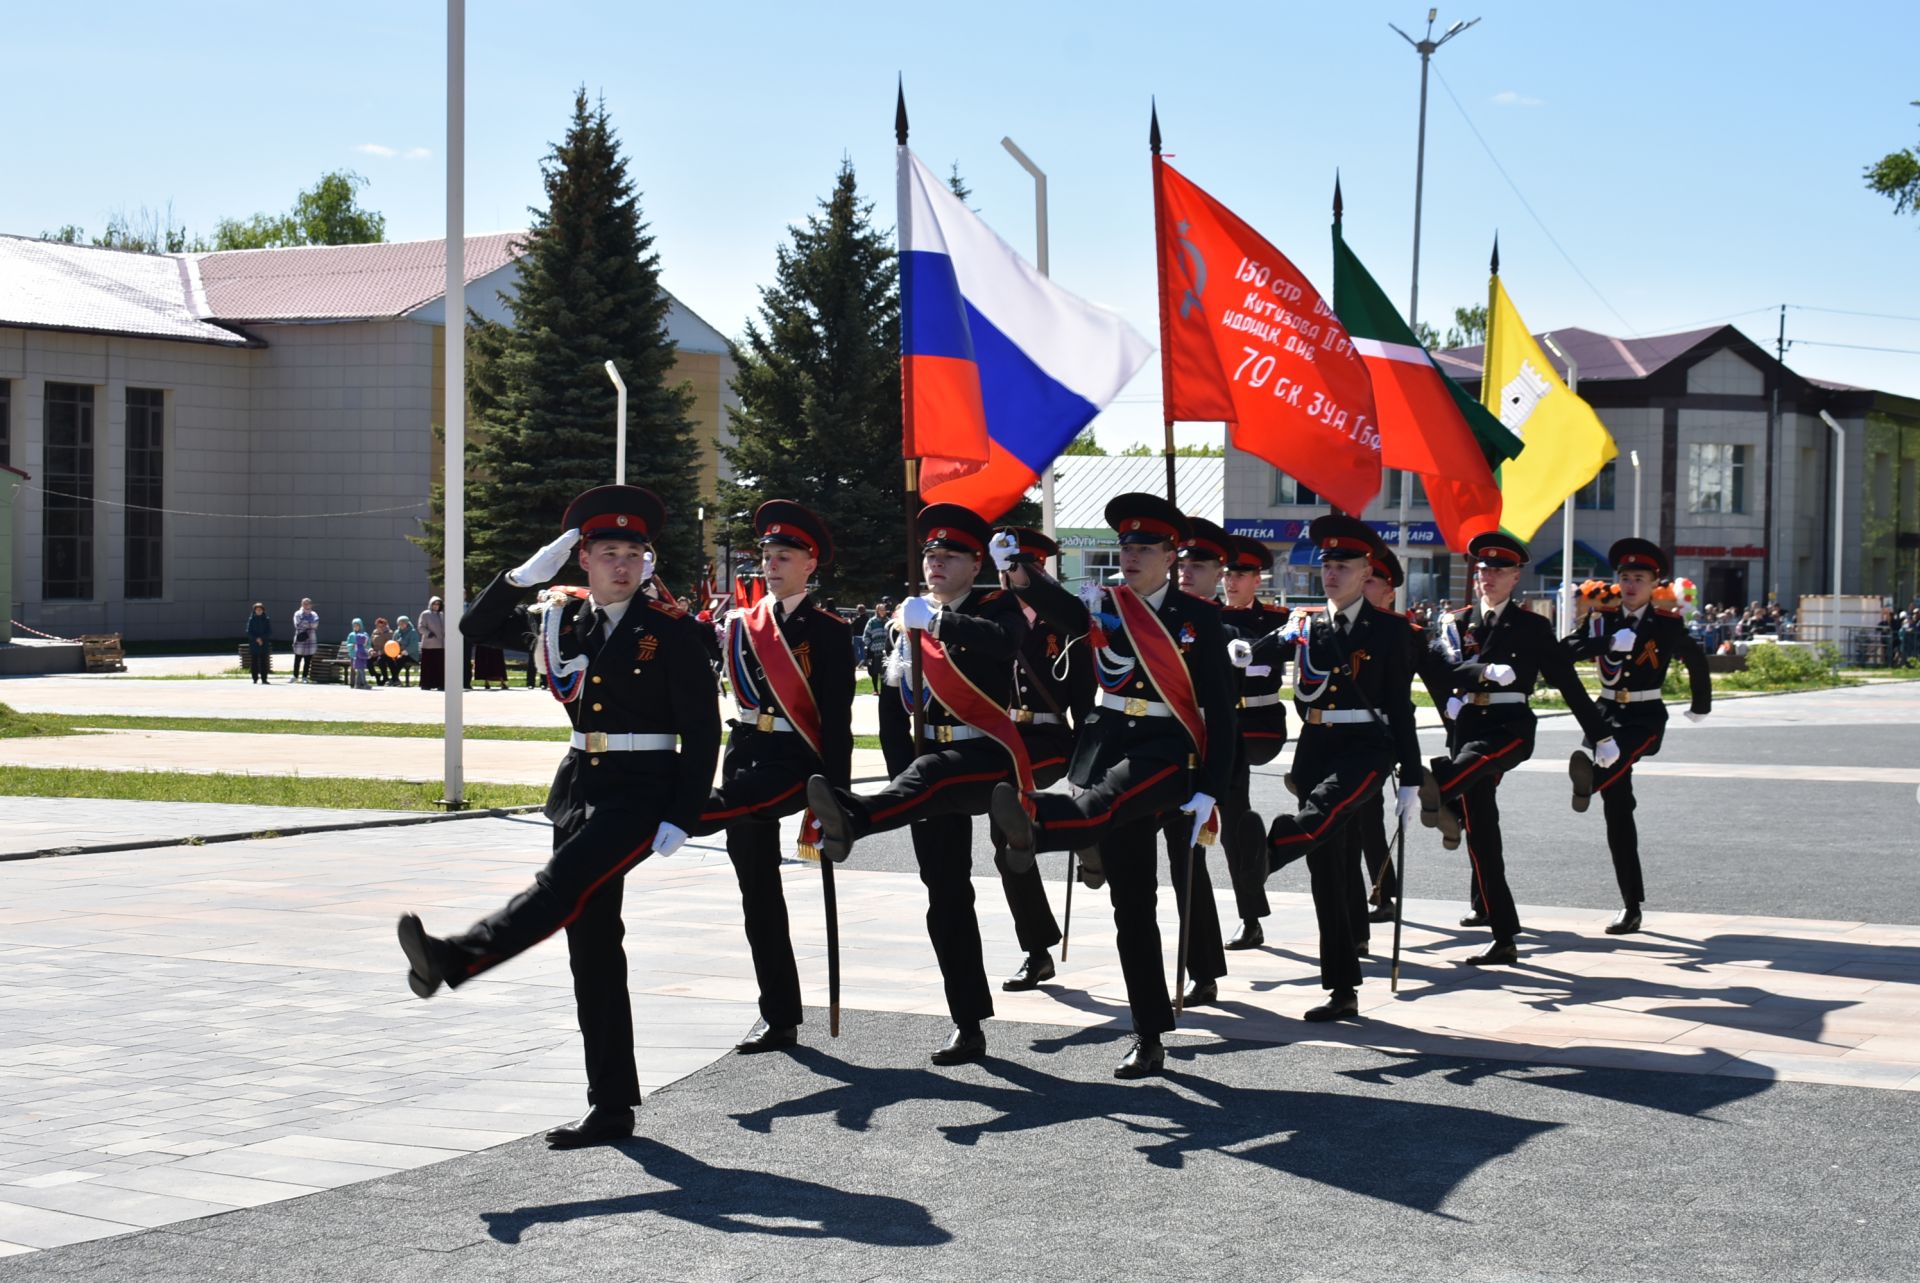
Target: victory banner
[(1245, 338)]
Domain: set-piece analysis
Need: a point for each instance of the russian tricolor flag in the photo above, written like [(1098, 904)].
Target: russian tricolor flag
[(1000, 368)]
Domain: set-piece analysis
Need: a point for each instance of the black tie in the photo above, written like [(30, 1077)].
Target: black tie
[(1488, 622), (1340, 623), (595, 635)]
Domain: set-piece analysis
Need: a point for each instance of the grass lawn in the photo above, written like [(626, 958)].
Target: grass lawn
[(255, 790)]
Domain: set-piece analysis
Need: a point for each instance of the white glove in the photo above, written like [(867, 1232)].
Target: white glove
[(1239, 652), (1692, 716), (646, 566), (545, 564), (1606, 753), (1200, 807), (1004, 548), (916, 612), (1092, 597), (1453, 708), (1498, 674), (1296, 625), (667, 839), (1622, 641), (1406, 801)]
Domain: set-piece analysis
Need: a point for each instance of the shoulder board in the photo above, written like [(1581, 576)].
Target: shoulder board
[(993, 595), (1414, 624), (828, 614), (673, 610), (1198, 600)]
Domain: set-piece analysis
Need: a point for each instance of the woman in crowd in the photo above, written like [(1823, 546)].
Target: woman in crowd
[(306, 637), (433, 646), (409, 639), (259, 642)]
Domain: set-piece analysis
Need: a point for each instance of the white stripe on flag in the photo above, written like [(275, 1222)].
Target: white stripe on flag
[(1411, 353), (1082, 346)]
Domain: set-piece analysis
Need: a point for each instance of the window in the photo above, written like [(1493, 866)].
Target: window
[(6, 421), (1597, 493), (1717, 478), (1394, 478), (1097, 565), (146, 422), (66, 566), (1288, 491)]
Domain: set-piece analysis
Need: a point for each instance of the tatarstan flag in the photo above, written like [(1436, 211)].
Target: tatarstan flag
[(1427, 424)]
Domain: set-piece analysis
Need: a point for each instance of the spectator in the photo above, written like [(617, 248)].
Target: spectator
[(489, 666), (306, 637), (433, 646), (409, 639), (359, 649), (874, 640), (383, 669), (259, 643)]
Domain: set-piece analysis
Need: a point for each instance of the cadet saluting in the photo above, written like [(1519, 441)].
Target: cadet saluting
[(789, 663), (1632, 647), (632, 670)]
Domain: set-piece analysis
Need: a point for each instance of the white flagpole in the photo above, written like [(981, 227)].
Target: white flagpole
[(455, 587), (1566, 511), (1047, 523), (620, 427)]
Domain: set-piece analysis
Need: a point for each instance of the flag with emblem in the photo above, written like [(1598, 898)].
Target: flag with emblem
[(1427, 424), (999, 367), (1566, 444)]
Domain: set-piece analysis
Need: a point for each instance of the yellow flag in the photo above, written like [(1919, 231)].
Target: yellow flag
[(1565, 443)]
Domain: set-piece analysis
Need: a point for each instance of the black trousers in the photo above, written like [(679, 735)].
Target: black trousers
[(1034, 925), (1469, 781), (1334, 771), (580, 891), (944, 780), (1122, 814), (1615, 787), (260, 659), (748, 806), (1371, 826), (1206, 954), (1244, 843), (302, 664)]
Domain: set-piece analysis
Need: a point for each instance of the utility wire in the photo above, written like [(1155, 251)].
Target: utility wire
[(1841, 311), (224, 516), (1529, 207), (1857, 347)]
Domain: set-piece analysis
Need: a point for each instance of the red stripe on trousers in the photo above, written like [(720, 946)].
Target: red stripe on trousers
[(1621, 768), (912, 802), (1081, 822), (1373, 777), (775, 800), (1482, 761), (580, 905)]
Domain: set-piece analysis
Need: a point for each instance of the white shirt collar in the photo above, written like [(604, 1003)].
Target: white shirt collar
[(1496, 610), (1352, 610), (1153, 599), (791, 603), (1633, 616), (616, 611)]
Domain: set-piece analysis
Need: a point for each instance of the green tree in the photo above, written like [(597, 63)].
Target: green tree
[(1204, 450), (328, 213), (1084, 444), (1896, 176), (819, 389), (1469, 327), (542, 406)]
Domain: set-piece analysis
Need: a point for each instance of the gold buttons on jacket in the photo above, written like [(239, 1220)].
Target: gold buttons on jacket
[(596, 708), (596, 679), (593, 761)]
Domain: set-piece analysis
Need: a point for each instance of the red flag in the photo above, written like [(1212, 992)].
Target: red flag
[(741, 598), (1246, 338)]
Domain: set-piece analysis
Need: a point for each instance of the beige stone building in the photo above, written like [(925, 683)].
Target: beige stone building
[(205, 431)]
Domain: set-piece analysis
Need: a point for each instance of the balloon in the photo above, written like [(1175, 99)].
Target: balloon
[(393, 650)]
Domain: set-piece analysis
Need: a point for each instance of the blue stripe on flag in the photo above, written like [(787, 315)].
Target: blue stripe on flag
[(1028, 413), (933, 315)]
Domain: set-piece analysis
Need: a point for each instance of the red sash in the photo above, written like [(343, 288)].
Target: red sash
[(975, 708), (1156, 650), (789, 684)]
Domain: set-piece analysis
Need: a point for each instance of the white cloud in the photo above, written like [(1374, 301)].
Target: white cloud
[(385, 152), (1514, 98)]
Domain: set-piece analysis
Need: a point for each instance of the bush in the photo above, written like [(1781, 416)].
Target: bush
[(1771, 667)]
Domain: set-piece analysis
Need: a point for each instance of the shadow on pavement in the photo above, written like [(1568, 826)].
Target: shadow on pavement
[(737, 1200)]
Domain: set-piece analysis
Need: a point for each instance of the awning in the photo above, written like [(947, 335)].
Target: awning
[(1305, 553), (1588, 563)]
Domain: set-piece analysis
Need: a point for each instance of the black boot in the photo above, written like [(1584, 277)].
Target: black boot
[(1341, 1004), (836, 826), (1035, 970), (1145, 1056), (597, 1126)]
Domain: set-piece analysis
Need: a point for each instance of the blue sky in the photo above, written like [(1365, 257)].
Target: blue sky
[(1693, 160)]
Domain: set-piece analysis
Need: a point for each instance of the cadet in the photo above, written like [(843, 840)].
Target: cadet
[(1263, 730), (1505, 650), (1352, 688), (631, 668), (789, 662), (1632, 647), (968, 638), (1161, 740)]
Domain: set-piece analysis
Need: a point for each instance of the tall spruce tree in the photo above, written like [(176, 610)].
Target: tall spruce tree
[(819, 391), (589, 292)]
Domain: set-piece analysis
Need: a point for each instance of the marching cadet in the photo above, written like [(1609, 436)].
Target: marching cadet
[(1505, 650), (1053, 691), (1262, 718), (1202, 558), (1352, 684), (1161, 740), (967, 638), (788, 661), (631, 668), (1632, 646)]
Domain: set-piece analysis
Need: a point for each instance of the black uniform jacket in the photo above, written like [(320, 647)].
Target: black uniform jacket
[(1525, 642), (1259, 625), (822, 644), (1050, 637), (1110, 735), (981, 634), (1372, 669), (1658, 640), (650, 676)]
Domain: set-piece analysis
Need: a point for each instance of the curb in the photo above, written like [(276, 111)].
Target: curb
[(204, 839)]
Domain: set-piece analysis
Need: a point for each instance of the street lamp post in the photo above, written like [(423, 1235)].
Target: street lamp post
[(1425, 47), (1634, 457)]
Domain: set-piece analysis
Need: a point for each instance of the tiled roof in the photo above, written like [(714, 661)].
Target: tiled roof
[(1083, 483), (1600, 356), (107, 291), (340, 282)]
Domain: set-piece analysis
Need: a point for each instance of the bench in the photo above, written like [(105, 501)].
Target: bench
[(103, 652)]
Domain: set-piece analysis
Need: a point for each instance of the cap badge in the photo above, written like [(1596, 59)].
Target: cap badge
[(619, 521), (773, 530), (940, 533), (1134, 524)]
